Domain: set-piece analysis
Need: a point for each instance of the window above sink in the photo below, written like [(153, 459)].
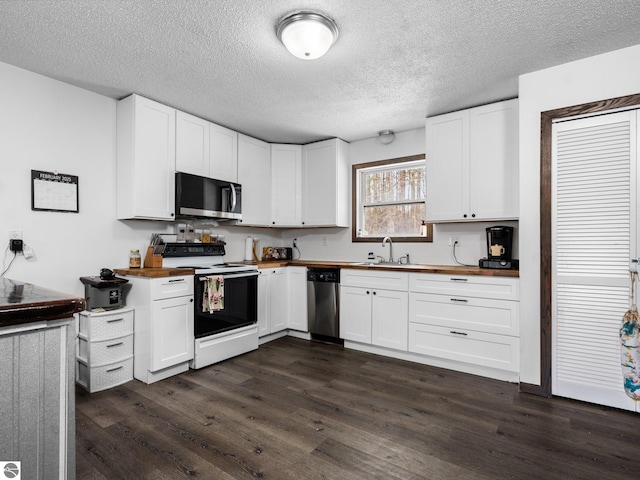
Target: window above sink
[(389, 201)]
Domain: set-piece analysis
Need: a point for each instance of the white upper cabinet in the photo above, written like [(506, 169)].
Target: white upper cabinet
[(223, 153), (192, 144), (325, 184), (206, 149), (472, 164), (145, 164), (254, 174), (286, 185)]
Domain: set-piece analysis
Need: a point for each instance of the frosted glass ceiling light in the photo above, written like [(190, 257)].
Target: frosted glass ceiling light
[(307, 35), (385, 137)]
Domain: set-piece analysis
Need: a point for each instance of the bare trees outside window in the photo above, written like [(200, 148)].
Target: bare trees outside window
[(389, 200)]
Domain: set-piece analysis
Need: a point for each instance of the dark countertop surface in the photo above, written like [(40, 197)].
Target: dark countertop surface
[(25, 303)]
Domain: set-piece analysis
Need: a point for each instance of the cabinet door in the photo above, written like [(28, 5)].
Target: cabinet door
[(355, 314), (192, 145), (447, 157), (389, 319), (298, 316), (286, 188), (493, 161), (325, 188), (172, 337), (223, 153), (264, 327), (146, 159), (278, 299), (254, 174)]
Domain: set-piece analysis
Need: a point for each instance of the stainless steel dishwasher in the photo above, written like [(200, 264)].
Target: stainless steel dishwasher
[(323, 303)]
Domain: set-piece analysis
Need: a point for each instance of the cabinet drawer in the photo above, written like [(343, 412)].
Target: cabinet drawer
[(107, 325), (105, 351), (483, 349), (99, 378), (499, 288), (478, 314), (387, 279), (170, 287)]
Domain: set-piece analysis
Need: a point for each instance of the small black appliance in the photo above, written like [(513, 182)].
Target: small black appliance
[(104, 291), (499, 249)]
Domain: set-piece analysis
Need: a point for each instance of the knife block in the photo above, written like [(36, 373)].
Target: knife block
[(151, 260)]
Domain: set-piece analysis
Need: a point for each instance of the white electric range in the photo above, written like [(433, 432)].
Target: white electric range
[(226, 327)]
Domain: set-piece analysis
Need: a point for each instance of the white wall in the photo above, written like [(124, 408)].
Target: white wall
[(52, 126), (601, 77), (471, 237)]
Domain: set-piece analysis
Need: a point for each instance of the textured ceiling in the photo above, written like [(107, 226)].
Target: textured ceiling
[(394, 62)]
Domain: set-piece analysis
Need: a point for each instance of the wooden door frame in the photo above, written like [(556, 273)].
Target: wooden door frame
[(546, 293)]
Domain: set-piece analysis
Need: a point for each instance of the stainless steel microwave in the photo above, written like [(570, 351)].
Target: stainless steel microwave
[(202, 197)]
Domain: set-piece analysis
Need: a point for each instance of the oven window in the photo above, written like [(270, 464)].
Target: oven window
[(240, 306)]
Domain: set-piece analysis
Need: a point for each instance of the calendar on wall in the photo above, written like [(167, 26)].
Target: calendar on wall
[(54, 192)]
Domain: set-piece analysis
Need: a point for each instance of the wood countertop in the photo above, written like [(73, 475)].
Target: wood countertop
[(414, 268), (158, 272), (25, 303)]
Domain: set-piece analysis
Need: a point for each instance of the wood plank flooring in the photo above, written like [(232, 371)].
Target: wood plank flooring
[(306, 410)]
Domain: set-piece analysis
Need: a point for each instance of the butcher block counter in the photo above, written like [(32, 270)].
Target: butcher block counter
[(414, 268), (37, 341)]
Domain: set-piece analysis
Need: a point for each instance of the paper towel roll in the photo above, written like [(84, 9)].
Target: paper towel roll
[(248, 249)]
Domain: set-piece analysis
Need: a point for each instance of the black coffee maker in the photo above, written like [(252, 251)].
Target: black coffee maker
[(499, 248)]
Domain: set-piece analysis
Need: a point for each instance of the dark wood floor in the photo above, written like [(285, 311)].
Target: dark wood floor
[(304, 410)]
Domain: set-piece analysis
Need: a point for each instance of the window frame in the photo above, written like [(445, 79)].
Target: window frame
[(356, 206)]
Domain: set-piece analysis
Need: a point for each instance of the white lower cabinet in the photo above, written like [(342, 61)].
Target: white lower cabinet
[(373, 315), (282, 300), (355, 314), (477, 348), (470, 321), (272, 300), (298, 318), (163, 332)]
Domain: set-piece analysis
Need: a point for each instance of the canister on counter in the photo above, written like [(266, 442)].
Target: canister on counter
[(135, 259)]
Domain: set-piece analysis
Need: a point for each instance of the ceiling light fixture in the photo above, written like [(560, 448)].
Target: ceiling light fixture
[(307, 34), (385, 137)]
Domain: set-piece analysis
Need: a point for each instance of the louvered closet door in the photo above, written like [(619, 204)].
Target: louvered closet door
[(594, 211)]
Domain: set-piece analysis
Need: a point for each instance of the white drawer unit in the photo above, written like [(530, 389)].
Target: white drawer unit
[(500, 352), (106, 325), (467, 313), (499, 288), (104, 352)]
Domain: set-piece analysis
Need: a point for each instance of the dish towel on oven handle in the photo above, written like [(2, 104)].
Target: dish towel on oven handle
[(213, 294)]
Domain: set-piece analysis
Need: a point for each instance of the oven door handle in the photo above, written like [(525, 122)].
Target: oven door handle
[(229, 276)]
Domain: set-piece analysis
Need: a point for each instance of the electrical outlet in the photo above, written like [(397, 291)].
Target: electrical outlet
[(325, 241), (15, 245), (15, 234), (453, 240), (295, 243)]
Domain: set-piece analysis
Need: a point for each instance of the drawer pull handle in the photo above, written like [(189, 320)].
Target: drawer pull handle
[(115, 344), (177, 280), (115, 320), (460, 300), (459, 279), (114, 369), (458, 333)]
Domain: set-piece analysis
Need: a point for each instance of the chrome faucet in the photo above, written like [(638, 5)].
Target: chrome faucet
[(384, 240)]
